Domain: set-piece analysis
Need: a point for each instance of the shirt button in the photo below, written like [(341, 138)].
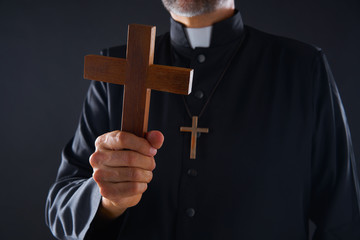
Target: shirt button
[(199, 94), (192, 172), (190, 212), (201, 58)]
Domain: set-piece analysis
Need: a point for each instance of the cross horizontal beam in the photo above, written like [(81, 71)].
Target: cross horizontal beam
[(159, 77)]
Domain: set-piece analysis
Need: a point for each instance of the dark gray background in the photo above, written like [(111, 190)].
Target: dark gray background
[(41, 59)]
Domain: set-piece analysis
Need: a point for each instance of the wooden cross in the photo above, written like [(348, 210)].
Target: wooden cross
[(139, 75), (194, 132)]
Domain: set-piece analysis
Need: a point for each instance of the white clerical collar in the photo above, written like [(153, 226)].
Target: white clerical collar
[(199, 37)]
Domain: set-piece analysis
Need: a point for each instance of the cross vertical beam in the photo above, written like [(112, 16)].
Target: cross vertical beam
[(139, 55)]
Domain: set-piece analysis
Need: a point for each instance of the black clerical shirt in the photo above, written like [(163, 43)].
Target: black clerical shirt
[(277, 154)]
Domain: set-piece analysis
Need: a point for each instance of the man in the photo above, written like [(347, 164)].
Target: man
[(277, 154)]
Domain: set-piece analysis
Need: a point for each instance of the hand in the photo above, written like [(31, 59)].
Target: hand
[(123, 165)]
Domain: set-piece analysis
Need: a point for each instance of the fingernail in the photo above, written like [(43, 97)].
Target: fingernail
[(153, 151)]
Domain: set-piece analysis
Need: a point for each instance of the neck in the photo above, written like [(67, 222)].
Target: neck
[(207, 19)]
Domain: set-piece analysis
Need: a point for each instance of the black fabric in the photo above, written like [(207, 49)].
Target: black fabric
[(101, 228), (278, 152)]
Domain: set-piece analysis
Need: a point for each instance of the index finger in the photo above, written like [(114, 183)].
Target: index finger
[(119, 140)]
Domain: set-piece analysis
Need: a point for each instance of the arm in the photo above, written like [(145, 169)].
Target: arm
[(335, 185), (86, 199), (74, 198)]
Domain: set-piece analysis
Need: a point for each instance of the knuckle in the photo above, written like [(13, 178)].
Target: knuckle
[(93, 159), (152, 164), (137, 188), (120, 137), (144, 187), (99, 140), (149, 176), (96, 158), (98, 176)]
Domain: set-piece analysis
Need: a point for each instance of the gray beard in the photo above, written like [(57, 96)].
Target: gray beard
[(191, 8)]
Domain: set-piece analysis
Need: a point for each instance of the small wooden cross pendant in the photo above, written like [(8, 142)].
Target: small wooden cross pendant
[(194, 132)]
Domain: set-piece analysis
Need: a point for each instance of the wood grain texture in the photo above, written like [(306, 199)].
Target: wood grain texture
[(170, 79), (105, 69), (140, 54)]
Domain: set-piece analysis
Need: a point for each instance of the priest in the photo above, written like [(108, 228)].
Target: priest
[(260, 147)]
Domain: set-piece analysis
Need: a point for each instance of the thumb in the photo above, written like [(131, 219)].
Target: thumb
[(155, 138)]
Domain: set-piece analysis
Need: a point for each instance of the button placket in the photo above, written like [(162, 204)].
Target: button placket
[(198, 96)]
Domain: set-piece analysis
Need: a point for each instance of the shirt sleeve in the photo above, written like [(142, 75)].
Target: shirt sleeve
[(74, 198), (335, 184)]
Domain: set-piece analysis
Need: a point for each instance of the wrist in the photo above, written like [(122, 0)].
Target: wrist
[(109, 211)]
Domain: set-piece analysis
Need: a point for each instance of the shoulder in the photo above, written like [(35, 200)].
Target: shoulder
[(120, 51), (281, 46)]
